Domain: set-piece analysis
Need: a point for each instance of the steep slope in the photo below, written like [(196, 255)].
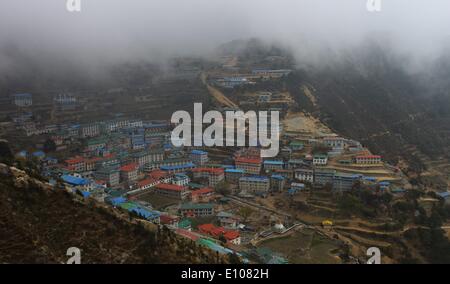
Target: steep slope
[(38, 225), (373, 99)]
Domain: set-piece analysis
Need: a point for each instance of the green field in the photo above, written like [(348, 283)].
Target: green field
[(304, 246)]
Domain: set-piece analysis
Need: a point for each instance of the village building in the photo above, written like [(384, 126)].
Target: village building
[(296, 145), (147, 183), (23, 100), (254, 184), (320, 160), (202, 195), (172, 191), (109, 174), (305, 175), (180, 179), (277, 183), (323, 176), (367, 160), (76, 164), (196, 209), (129, 172), (249, 165), (270, 165), (344, 182), (233, 175), (90, 130), (214, 175), (199, 157)]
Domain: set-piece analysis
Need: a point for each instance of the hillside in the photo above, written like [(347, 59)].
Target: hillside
[(38, 225), (373, 99)]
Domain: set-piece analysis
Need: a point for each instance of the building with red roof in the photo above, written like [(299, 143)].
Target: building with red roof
[(147, 183), (169, 220), (172, 190), (232, 237), (249, 165), (76, 164), (206, 228), (129, 172), (202, 195), (214, 175)]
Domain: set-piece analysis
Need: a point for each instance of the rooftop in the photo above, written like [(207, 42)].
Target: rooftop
[(172, 187), (190, 206)]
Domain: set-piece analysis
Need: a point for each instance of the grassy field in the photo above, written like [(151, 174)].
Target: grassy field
[(303, 247), (157, 201)]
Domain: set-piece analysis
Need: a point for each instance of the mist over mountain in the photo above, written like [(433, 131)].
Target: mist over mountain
[(42, 36)]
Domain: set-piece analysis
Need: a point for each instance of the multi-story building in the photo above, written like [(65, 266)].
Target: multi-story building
[(178, 168), (249, 165), (269, 73), (199, 157), (23, 100), (147, 183), (320, 160), (129, 172), (172, 191), (233, 175), (344, 182), (202, 195), (96, 144), (255, 184), (109, 174), (90, 130), (196, 209), (296, 163), (367, 160), (304, 175), (76, 164), (323, 176), (180, 179), (335, 142), (277, 183), (214, 175), (288, 174), (296, 145), (270, 165), (170, 162), (143, 158)]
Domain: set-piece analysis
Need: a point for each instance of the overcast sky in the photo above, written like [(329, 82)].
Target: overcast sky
[(108, 30)]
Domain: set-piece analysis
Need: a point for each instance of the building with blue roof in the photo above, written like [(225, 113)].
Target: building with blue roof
[(73, 180), (39, 154), (23, 100), (152, 216), (178, 168), (181, 179), (233, 175), (199, 157), (344, 182), (78, 183), (270, 165), (116, 201), (277, 182)]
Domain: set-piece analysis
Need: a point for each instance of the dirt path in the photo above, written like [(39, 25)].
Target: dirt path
[(217, 94)]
